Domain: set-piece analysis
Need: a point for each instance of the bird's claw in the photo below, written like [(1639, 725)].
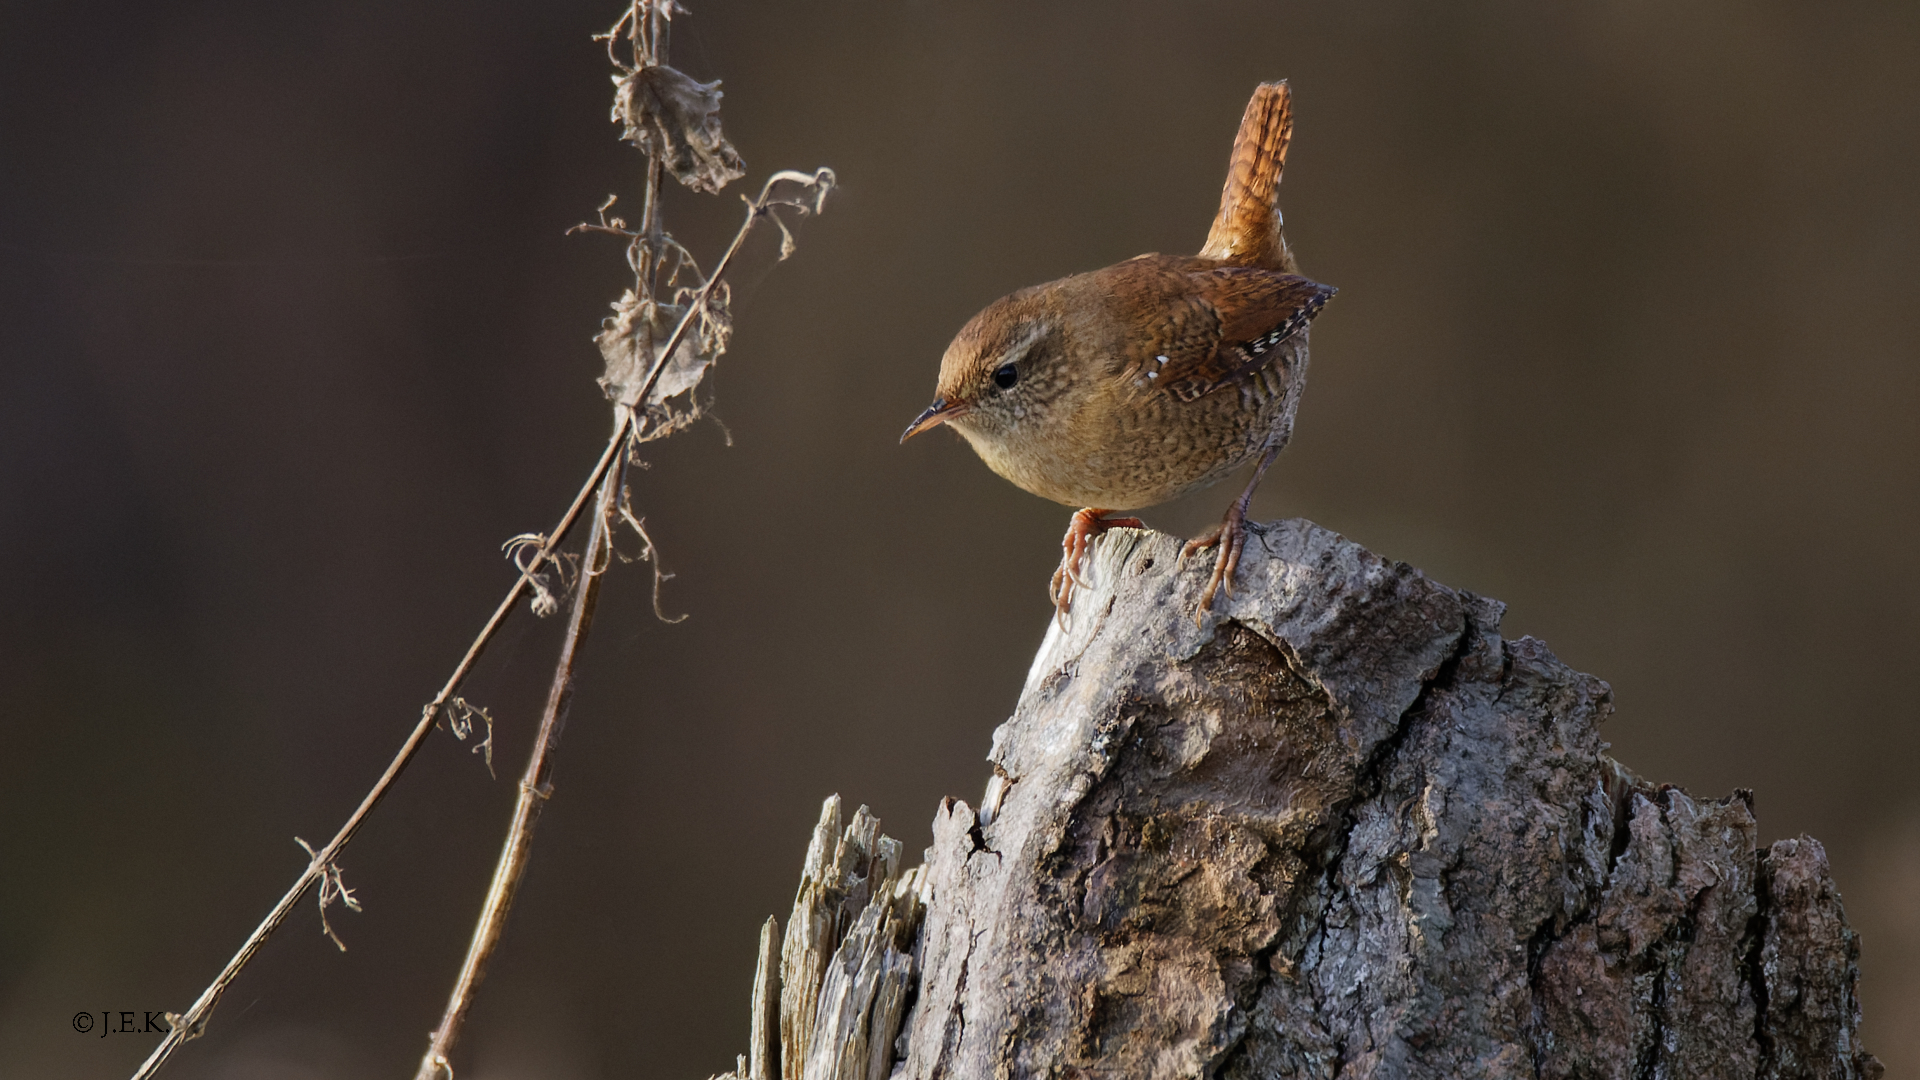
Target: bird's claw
[(1085, 525), (1230, 535)]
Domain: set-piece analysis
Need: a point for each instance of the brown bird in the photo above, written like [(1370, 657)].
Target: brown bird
[(1158, 376)]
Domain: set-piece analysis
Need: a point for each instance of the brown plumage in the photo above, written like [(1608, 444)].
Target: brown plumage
[(1128, 386)]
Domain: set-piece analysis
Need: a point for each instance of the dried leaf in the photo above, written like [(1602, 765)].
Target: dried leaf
[(677, 120), (630, 340)]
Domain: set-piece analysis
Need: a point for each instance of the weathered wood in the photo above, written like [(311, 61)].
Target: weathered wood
[(828, 999), (1341, 828), (763, 1055)]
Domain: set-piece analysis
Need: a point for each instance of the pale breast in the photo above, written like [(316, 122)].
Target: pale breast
[(1124, 451)]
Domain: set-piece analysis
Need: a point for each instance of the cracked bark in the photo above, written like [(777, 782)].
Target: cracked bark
[(1343, 829)]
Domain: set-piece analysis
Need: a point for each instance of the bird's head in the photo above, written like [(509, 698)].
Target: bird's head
[(1004, 372)]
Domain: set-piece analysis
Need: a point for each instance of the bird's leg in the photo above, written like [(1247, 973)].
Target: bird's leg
[(1231, 535), (1086, 525)]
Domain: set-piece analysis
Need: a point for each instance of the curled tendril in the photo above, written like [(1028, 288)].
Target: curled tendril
[(333, 886)]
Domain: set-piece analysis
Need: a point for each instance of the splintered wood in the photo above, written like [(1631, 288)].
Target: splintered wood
[(828, 1000)]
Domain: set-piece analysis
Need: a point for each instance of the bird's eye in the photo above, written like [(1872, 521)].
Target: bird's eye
[(1006, 376)]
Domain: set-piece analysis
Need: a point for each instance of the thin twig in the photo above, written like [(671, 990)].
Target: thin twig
[(534, 788), (190, 1024)]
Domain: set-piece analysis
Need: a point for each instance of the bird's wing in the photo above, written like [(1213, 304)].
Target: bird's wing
[(1242, 316)]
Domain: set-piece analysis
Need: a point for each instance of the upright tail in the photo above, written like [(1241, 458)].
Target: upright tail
[(1248, 231)]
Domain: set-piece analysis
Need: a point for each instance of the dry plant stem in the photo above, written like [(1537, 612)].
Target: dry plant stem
[(435, 1064), (195, 1018), (648, 29), (190, 1023), (535, 786)]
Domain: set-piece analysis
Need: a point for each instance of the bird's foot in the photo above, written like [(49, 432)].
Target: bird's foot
[(1230, 535), (1086, 525)]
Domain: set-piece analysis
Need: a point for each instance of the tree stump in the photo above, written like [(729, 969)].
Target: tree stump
[(1339, 828)]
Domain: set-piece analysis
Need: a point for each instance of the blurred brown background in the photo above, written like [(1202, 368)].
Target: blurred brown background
[(290, 342)]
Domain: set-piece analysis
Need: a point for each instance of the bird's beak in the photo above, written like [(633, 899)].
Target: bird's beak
[(937, 413)]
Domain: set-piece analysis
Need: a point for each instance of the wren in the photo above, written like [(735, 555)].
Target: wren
[(1129, 386)]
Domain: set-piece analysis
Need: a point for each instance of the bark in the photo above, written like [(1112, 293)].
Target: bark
[(1339, 828)]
